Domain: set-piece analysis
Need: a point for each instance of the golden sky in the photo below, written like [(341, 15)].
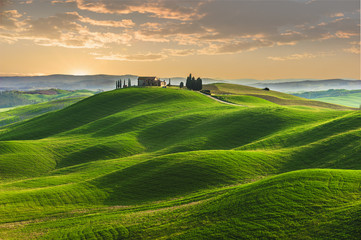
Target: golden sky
[(226, 39)]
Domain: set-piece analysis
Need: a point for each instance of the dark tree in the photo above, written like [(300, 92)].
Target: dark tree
[(181, 85), (169, 82), (129, 82), (118, 84), (193, 84), (198, 84), (188, 82), (124, 86)]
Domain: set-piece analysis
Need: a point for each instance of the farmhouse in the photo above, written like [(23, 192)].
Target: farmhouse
[(150, 81)]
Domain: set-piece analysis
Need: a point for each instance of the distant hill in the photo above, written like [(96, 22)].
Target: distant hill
[(314, 85), (16, 98), (69, 82), (107, 82), (351, 98)]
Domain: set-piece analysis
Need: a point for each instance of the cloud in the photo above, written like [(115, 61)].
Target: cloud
[(293, 57), (63, 29), (169, 9), (210, 26), (134, 57), (10, 19), (27, 2), (240, 46), (125, 23), (179, 52), (236, 26), (301, 56), (355, 48)]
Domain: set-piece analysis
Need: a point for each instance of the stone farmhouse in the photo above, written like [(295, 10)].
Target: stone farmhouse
[(150, 81)]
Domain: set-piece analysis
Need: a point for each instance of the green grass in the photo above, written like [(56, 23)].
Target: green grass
[(10, 99), (234, 93), (351, 100), (245, 100), (153, 163), (60, 94), (16, 114)]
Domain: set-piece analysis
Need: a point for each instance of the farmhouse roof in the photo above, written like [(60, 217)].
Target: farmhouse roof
[(147, 78)]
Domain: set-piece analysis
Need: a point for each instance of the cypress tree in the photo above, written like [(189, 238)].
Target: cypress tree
[(124, 86), (188, 82), (199, 84), (193, 84), (129, 82), (181, 85)]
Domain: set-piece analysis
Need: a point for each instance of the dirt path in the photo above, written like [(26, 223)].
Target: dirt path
[(221, 101)]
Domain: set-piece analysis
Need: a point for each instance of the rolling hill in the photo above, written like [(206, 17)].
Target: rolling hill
[(16, 114), (351, 98), (247, 95), (153, 163), (311, 85), (16, 98)]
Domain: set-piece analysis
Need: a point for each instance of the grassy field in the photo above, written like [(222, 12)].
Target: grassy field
[(238, 94), (153, 163), (10, 99), (351, 98), (16, 114)]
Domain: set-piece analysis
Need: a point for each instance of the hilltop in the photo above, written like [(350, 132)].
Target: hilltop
[(252, 96), (156, 163)]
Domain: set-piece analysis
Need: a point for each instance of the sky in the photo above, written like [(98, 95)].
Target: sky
[(224, 39)]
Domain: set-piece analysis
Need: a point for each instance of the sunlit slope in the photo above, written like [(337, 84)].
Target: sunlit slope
[(154, 163), (103, 106), (131, 121), (26, 112), (351, 100), (270, 96), (321, 204), (306, 204)]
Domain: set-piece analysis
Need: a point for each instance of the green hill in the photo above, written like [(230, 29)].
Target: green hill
[(351, 98), (15, 98), (160, 163), (233, 92), (16, 114)]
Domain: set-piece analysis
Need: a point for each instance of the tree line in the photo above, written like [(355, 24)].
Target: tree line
[(192, 83), (118, 84)]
